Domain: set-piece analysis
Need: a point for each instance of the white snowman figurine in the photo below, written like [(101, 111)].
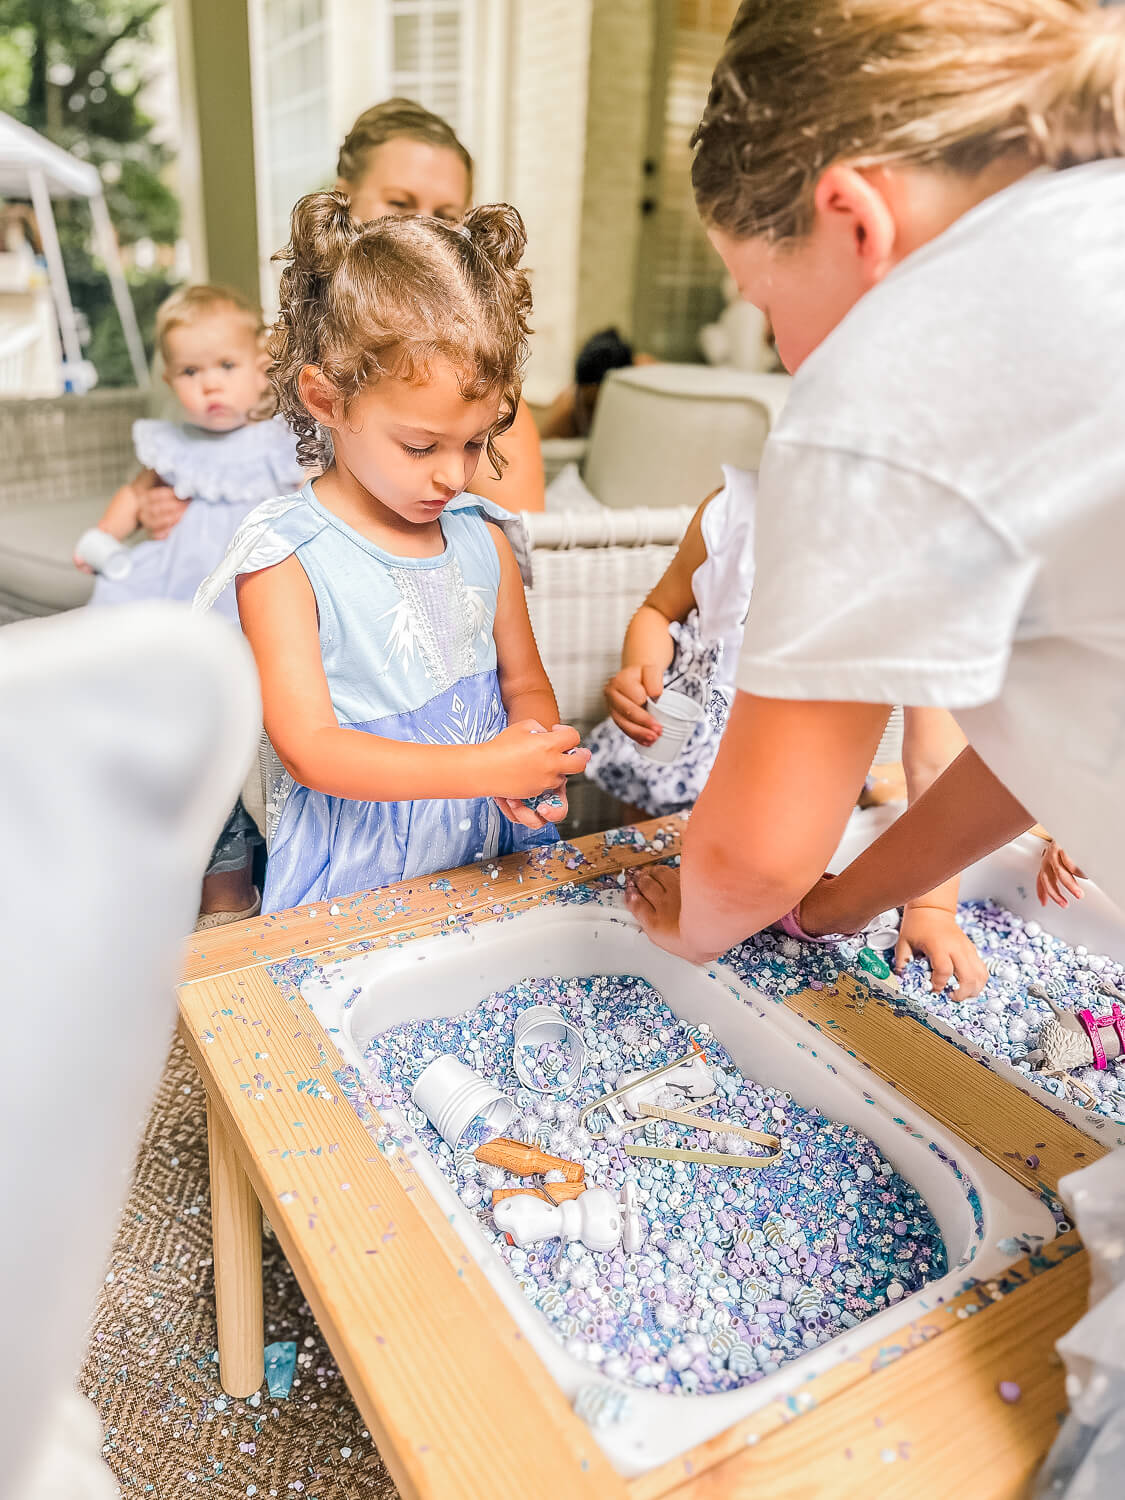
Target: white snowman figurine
[(594, 1217)]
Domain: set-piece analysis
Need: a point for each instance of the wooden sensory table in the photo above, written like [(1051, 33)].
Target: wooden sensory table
[(456, 1400)]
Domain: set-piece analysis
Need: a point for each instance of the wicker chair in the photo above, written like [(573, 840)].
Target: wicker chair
[(63, 458), (589, 574)]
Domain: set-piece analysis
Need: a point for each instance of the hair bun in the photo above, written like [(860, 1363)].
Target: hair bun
[(497, 231), (321, 228)]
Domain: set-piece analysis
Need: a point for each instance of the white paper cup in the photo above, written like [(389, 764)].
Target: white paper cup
[(451, 1096), (104, 553), (537, 1026), (677, 714)]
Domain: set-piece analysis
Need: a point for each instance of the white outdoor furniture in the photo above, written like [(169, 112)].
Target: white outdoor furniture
[(662, 432), (33, 167), (63, 459)]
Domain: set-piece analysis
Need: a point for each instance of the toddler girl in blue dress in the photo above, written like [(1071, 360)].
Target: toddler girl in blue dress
[(223, 459), (401, 686)]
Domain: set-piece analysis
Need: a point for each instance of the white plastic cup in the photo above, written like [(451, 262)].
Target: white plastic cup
[(451, 1096), (677, 714), (540, 1024), (104, 553)]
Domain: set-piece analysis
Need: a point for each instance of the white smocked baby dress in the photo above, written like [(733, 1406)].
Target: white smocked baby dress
[(703, 667), (224, 475), (409, 654)]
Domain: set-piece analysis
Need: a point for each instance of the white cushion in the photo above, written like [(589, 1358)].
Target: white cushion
[(37, 541), (124, 736), (568, 492), (661, 433)]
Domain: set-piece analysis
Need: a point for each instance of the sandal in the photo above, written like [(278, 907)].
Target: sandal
[(208, 919)]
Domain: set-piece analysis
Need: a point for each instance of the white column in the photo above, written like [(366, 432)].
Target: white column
[(491, 85), (189, 171), (550, 61)]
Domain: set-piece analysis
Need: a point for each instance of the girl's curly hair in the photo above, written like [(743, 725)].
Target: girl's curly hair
[(361, 301)]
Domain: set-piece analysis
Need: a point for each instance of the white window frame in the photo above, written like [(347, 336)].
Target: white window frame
[(390, 80), (263, 157), (359, 39)]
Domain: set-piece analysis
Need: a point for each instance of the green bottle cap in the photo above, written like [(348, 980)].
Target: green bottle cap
[(871, 963)]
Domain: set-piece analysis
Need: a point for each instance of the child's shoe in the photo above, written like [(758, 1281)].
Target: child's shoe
[(209, 919)]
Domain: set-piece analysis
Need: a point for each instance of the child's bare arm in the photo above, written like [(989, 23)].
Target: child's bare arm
[(1058, 875), (121, 516), (524, 686), (278, 612), (648, 647), (931, 743)]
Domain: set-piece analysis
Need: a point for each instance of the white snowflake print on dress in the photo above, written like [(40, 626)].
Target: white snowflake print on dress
[(438, 619)]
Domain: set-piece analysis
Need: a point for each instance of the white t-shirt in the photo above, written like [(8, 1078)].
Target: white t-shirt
[(722, 583), (941, 507)]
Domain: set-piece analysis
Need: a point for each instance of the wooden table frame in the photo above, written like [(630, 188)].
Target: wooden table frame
[(457, 1401)]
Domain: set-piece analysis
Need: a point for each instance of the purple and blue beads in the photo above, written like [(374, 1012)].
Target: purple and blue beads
[(551, 799), (740, 1271), (1002, 1021), (546, 1067)]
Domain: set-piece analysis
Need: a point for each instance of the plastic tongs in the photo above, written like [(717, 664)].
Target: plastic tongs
[(632, 1106)]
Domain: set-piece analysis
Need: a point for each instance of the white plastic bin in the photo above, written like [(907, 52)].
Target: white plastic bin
[(444, 976)]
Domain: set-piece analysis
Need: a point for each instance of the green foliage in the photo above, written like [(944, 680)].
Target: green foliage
[(72, 69), (15, 70)]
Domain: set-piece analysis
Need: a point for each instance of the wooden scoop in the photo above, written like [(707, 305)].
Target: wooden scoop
[(550, 1192), (523, 1160)]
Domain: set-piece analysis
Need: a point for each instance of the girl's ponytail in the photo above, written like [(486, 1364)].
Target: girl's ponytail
[(496, 233), (321, 230), (1079, 115)]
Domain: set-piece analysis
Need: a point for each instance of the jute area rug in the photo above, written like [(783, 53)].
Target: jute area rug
[(152, 1370)]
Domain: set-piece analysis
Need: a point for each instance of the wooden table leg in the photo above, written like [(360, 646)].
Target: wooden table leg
[(236, 1232)]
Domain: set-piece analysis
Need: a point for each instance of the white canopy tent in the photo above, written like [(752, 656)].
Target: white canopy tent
[(32, 167)]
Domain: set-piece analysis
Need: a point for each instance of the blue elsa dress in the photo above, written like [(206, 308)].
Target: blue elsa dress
[(225, 475), (409, 654)]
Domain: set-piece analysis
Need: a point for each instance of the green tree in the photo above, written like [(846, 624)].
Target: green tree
[(73, 70)]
